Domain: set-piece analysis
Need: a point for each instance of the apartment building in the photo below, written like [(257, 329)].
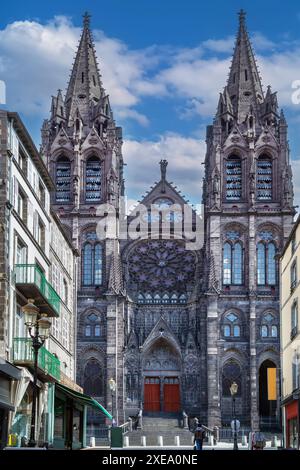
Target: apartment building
[(38, 262), (290, 338)]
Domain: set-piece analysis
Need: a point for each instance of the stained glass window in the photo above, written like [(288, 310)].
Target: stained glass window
[(63, 180), (232, 327), (274, 331), (261, 264), (266, 264), (227, 264), (269, 327), (233, 179), (264, 331), (271, 264), (93, 180), (87, 265), (264, 179), (88, 330), (98, 264), (161, 271), (92, 264), (227, 331), (233, 264), (237, 264), (97, 330)]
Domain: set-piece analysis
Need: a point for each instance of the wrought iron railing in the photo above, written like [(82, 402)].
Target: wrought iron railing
[(31, 274), (294, 332), (47, 362)]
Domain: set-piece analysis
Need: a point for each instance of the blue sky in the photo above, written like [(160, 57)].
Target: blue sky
[(163, 64)]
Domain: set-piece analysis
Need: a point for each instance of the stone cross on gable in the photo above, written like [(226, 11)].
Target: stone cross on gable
[(163, 170)]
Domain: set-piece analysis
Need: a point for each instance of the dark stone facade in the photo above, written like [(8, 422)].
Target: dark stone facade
[(162, 315)]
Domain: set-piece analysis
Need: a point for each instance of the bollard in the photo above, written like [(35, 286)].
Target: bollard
[(126, 441), (130, 424), (210, 440), (274, 441), (160, 441), (92, 442), (143, 441), (244, 440), (177, 441), (250, 441)]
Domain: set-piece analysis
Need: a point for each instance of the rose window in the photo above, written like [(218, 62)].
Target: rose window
[(157, 267)]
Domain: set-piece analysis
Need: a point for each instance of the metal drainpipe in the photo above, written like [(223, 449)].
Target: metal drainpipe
[(11, 201)]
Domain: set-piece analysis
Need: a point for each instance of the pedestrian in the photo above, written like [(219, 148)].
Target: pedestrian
[(258, 441), (199, 436)]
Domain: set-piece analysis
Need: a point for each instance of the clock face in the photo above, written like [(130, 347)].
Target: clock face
[(161, 207)]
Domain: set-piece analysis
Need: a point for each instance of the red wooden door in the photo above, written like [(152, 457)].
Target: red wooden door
[(152, 394), (171, 395)]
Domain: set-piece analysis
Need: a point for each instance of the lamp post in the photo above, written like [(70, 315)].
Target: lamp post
[(112, 386), (233, 392), (38, 326)]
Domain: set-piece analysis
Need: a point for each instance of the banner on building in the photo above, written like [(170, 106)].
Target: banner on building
[(272, 383)]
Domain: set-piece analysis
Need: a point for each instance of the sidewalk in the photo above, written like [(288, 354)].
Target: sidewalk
[(219, 446)]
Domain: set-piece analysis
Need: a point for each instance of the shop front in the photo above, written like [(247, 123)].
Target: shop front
[(8, 373), (292, 424), (67, 421)]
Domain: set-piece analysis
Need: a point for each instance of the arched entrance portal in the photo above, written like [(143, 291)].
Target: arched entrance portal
[(268, 395), (161, 376)]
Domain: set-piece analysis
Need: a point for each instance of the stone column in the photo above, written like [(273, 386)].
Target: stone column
[(213, 394), (254, 386)]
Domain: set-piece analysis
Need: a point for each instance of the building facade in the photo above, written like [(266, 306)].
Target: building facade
[(290, 339), (174, 327), (38, 262)]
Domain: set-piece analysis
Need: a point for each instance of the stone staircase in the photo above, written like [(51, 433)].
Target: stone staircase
[(166, 427)]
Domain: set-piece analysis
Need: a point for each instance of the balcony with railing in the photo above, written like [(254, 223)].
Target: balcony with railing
[(48, 364), (32, 284)]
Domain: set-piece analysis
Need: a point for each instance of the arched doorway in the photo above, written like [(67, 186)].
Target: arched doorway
[(161, 376), (268, 395)]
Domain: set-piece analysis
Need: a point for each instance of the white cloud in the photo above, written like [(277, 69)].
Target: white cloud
[(200, 80), (184, 155), (133, 114), (36, 59), (296, 181)]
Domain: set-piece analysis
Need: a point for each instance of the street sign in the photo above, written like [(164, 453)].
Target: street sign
[(236, 426)]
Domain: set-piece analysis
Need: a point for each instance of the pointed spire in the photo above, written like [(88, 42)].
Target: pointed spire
[(244, 85), (58, 107), (85, 80)]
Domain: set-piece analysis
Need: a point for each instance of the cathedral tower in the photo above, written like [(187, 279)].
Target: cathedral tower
[(248, 200), (82, 147)]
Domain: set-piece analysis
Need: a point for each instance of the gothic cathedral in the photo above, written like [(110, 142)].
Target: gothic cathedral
[(174, 327)]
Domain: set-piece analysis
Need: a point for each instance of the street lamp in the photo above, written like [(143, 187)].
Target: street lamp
[(233, 391), (112, 386), (38, 326)]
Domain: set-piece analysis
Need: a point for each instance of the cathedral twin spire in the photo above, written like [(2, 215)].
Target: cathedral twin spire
[(85, 86), (243, 95)]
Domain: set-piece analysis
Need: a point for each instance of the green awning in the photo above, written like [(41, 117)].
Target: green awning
[(83, 399)]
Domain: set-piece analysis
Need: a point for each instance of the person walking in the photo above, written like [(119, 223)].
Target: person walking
[(199, 436), (258, 441)]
